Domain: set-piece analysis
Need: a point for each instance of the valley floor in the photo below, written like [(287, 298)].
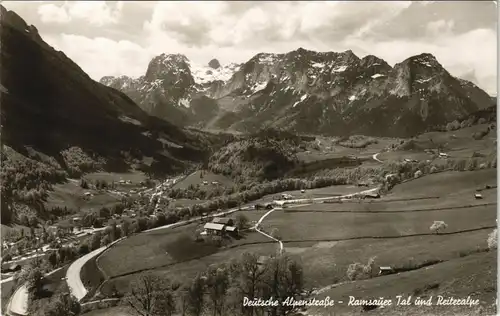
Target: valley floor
[(327, 238)]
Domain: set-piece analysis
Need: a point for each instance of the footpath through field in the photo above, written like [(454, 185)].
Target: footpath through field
[(346, 196)]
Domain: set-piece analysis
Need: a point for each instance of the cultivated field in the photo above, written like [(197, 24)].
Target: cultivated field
[(199, 176), (185, 271), (335, 190), (336, 226), (166, 247), (135, 177), (71, 196), (457, 144), (329, 147), (453, 184), (327, 262)]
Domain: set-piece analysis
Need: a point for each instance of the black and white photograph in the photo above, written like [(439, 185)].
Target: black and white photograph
[(248, 158)]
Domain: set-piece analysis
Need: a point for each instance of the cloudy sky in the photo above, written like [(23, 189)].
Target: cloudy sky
[(116, 38)]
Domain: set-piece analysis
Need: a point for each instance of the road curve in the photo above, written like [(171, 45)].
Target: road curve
[(73, 279), (256, 227), (18, 303), (375, 157)]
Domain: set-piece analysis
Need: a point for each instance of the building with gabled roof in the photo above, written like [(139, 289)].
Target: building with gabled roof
[(223, 220), (214, 228)]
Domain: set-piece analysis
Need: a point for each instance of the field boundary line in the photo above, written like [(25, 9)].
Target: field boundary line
[(396, 211), (390, 237)]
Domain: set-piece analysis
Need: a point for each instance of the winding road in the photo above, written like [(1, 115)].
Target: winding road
[(375, 157), (18, 303)]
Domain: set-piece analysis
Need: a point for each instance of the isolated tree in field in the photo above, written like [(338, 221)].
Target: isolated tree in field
[(61, 305), (53, 259), (370, 267), (105, 240), (217, 284), (492, 239), (284, 279), (125, 228), (354, 271), (184, 299), (95, 241), (195, 296), (34, 282), (7, 257), (438, 226), (359, 271), (84, 184), (241, 221), (84, 248), (248, 276), (151, 296)]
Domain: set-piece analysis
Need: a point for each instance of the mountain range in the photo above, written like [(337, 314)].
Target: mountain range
[(303, 91)]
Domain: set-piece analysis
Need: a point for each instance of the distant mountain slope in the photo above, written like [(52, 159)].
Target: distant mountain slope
[(309, 92), (50, 104)]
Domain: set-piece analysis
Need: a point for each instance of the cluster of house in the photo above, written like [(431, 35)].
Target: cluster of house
[(221, 226)]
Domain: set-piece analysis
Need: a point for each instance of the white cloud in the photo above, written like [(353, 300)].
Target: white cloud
[(440, 28), (97, 13), (101, 56), (51, 13), (459, 54), (235, 31)]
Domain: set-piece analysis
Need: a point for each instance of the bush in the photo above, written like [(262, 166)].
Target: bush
[(359, 271), (7, 257), (438, 226), (241, 221), (480, 135)]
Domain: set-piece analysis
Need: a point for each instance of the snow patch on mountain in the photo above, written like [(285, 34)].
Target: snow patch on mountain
[(424, 80), (375, 76), (267, 59), (206, 74), (184, 102), (318, 65), (339, 69), (259, 86)]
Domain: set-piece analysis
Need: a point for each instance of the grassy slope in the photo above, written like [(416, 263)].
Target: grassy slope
[(326, 262), (303, 226), (194, 179), (458, 278)]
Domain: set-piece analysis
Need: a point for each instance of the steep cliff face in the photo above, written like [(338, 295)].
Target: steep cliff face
[(320, 92)]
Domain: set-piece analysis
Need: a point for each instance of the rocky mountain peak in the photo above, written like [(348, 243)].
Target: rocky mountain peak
[(424, 60), (371, 60), (168, 66), (214, 63)]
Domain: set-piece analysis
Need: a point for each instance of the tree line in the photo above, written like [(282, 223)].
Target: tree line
[(222, 289)]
